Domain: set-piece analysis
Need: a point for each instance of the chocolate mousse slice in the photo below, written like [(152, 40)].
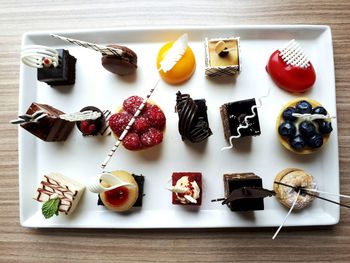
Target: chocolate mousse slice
[(240, 119), (49, 128), (193, 119), (63, 74), (244, 192)]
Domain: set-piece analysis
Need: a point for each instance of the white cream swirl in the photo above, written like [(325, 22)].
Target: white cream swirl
[(186, 191)]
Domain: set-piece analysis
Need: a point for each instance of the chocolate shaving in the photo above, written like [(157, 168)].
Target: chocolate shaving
[(248, 193)]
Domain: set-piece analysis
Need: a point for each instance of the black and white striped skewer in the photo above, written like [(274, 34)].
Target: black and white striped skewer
[(100, 48)]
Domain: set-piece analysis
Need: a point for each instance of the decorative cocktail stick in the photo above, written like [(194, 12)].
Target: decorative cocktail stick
[(100, 48), (285, 219), (174, 54)]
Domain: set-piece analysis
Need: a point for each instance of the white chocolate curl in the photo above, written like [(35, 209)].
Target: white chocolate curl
[(34, 56), (96, 187)]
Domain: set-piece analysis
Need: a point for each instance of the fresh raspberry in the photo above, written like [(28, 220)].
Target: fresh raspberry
[(132, 103), (151, 137), (155, 116), (132, 142), (119, 121), (140, 125), (87, 128)]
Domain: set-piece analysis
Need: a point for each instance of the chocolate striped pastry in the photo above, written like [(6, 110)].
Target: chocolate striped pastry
[(193, 119), (49, 128)]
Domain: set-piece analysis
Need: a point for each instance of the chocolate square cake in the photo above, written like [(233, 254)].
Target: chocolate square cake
[(49, 128), (240, 180), (63, 74), (237, 114)]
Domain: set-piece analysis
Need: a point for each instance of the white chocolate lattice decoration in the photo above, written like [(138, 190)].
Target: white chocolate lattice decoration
[(293, 54)]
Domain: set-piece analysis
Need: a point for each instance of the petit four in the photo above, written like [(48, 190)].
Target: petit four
[(244, 192), (55, 66), (117, 59), (92, 126), (186, 188), (240, 119), (303, 126), (121, 64), (44, 122), (59, 193), (222, 56), (289, 182), (290, 69), (193, 119), (175, 61), (119, 190), (147, 129)]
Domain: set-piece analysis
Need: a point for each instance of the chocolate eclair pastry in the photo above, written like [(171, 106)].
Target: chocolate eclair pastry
[(234, 114), (193, 119), (99, 123), (236, 181), (140, 180), (63, 74), (123, 64), (50, 128)]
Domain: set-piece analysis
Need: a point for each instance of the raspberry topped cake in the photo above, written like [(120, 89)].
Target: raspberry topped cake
[(146, 131)]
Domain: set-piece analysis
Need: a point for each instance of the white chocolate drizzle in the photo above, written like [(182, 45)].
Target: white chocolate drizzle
[(293, 54), (35, 55), (81, 116)]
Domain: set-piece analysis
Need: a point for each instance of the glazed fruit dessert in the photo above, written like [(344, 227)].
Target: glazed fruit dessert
[(193, 119), (58, 193), (44, 122), (122, 198), (290, 69), (289, 182), (222, 56), (184, 67), (146, 131), (92, 127), (303, 126), (244, 192), (240, 119), (122, 63), (186, 188)]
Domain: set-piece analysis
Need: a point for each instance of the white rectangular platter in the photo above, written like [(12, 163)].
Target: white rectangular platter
[(80, 158)]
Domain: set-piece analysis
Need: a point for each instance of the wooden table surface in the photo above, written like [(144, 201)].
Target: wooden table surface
[(19, 244)]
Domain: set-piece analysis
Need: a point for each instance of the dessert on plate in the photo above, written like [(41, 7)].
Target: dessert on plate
[(44, 122), (193, 119), (147, 129), (222, 56), (94, 126), (244, 192), (58, 193), (289, 182), (290, 68), (119, 190), (186, 188), (183, 57), (240, 119), (117, 59), (54, 66), (303, 126)]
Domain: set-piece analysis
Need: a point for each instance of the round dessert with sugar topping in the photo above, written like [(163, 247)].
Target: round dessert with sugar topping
[(303, 126), (148, 128), (183, 69)]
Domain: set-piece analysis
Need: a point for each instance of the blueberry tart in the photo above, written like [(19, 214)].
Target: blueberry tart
[(303, 126)]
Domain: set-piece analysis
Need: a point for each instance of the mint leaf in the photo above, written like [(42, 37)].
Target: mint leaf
[(50, 207)]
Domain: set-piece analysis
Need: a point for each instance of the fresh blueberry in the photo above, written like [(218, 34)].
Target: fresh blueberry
[(297, 143), (287, 114), (303, 107), (319, 110), (325, 127), (307, 129), (315, 141), (287, 129)]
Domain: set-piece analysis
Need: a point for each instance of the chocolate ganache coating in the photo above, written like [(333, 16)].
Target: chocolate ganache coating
[(193, 119)]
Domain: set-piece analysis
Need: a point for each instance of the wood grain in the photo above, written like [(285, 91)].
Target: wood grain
[(18, 244)]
